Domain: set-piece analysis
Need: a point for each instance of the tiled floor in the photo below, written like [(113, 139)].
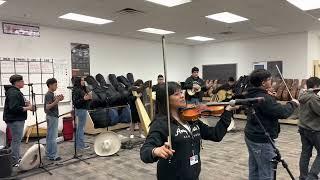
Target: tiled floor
[(226, 160)]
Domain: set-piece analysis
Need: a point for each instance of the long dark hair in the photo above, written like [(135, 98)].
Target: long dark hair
[(161, 98), (77, 84)]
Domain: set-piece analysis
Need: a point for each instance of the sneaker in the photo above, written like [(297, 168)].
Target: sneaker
[(55, 159), (131, 136), (142, 136)]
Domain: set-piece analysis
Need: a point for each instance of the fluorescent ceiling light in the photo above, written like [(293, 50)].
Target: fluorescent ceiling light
[(226, 17), (305, 4), (1, 2), (156, 31), (84, 18), (170, 3), (200, 38)]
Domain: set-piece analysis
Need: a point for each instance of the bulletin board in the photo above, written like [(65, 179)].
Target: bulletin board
[(35, 71)]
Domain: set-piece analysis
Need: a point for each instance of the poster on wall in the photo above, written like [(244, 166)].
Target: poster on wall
[(80, 59), (20, 29)]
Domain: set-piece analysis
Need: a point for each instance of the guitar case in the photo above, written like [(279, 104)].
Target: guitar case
[(130, 78), (113, 95), (100, 118), (124, 81), (99, 95)]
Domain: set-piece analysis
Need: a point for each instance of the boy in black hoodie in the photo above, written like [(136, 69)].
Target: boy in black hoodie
[(269, 112), (309, 129), (181, 161), (15, 114)]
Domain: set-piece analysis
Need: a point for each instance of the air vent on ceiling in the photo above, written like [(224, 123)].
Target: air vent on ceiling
[(129, 11)]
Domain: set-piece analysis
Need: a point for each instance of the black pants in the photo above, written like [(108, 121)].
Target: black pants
[(309, 139)]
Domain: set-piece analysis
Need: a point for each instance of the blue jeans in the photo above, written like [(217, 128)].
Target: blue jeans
[(52, 134), (193, 101), (81, 114), (124, 117), (260, 157), (16, 128), (309, 139)]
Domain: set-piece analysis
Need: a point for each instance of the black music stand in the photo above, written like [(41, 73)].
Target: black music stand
[(278, 158), (34, 112), (75, 155)]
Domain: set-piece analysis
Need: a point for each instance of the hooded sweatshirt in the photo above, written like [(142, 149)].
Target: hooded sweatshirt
[(13, 106), (309, 113), (268, 112)]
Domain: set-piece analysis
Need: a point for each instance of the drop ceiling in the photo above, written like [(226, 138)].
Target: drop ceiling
[(266, 17)]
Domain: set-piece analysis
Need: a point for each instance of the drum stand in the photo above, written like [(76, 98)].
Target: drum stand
[(33, 102), (277, 159)]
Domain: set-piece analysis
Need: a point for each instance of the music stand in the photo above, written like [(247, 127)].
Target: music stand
[(278, 158), (34, 112), (75, 155)]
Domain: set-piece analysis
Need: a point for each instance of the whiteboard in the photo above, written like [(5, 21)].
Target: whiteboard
[(34, 67), (7, 67), (63, 75), (46, 67), (21, 67)]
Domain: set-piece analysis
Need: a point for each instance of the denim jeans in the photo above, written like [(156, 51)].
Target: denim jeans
[(16, 128), (260, 157), (309, 139), (52, 134), (81, 114), (193, 101), (124, 116)]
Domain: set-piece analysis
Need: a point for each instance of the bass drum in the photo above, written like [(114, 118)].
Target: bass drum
[(232, 125)]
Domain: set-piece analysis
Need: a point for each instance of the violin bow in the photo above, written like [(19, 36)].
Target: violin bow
[(284, 82), (167, 91)]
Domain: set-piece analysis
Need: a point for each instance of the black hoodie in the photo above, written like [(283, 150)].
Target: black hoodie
[(269, 112), (13, 106), (184, 143)]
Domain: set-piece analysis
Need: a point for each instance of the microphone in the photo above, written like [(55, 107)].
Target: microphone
[(248, 101), (70, 87), (30, 84), (235, 102)]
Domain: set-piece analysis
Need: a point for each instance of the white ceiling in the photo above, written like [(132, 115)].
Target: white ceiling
[(275, 16)]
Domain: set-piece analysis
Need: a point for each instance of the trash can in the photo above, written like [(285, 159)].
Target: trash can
[(67, 128), (5, 163)]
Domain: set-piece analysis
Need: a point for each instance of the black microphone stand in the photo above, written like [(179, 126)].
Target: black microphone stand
[(75, 155), (34, 112), (278, 158)]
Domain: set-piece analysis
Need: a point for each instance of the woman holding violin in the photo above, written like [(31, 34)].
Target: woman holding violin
[(182, 160)]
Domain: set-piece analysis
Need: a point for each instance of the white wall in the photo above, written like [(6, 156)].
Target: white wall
[(313, 49), (290, 48), (108, 54)]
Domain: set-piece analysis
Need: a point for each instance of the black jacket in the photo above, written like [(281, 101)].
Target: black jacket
[(189, 84), (13, 106), (77, 99), (269, 112), (184, 143)]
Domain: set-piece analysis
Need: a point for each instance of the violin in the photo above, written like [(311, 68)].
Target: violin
[(193, 113)]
